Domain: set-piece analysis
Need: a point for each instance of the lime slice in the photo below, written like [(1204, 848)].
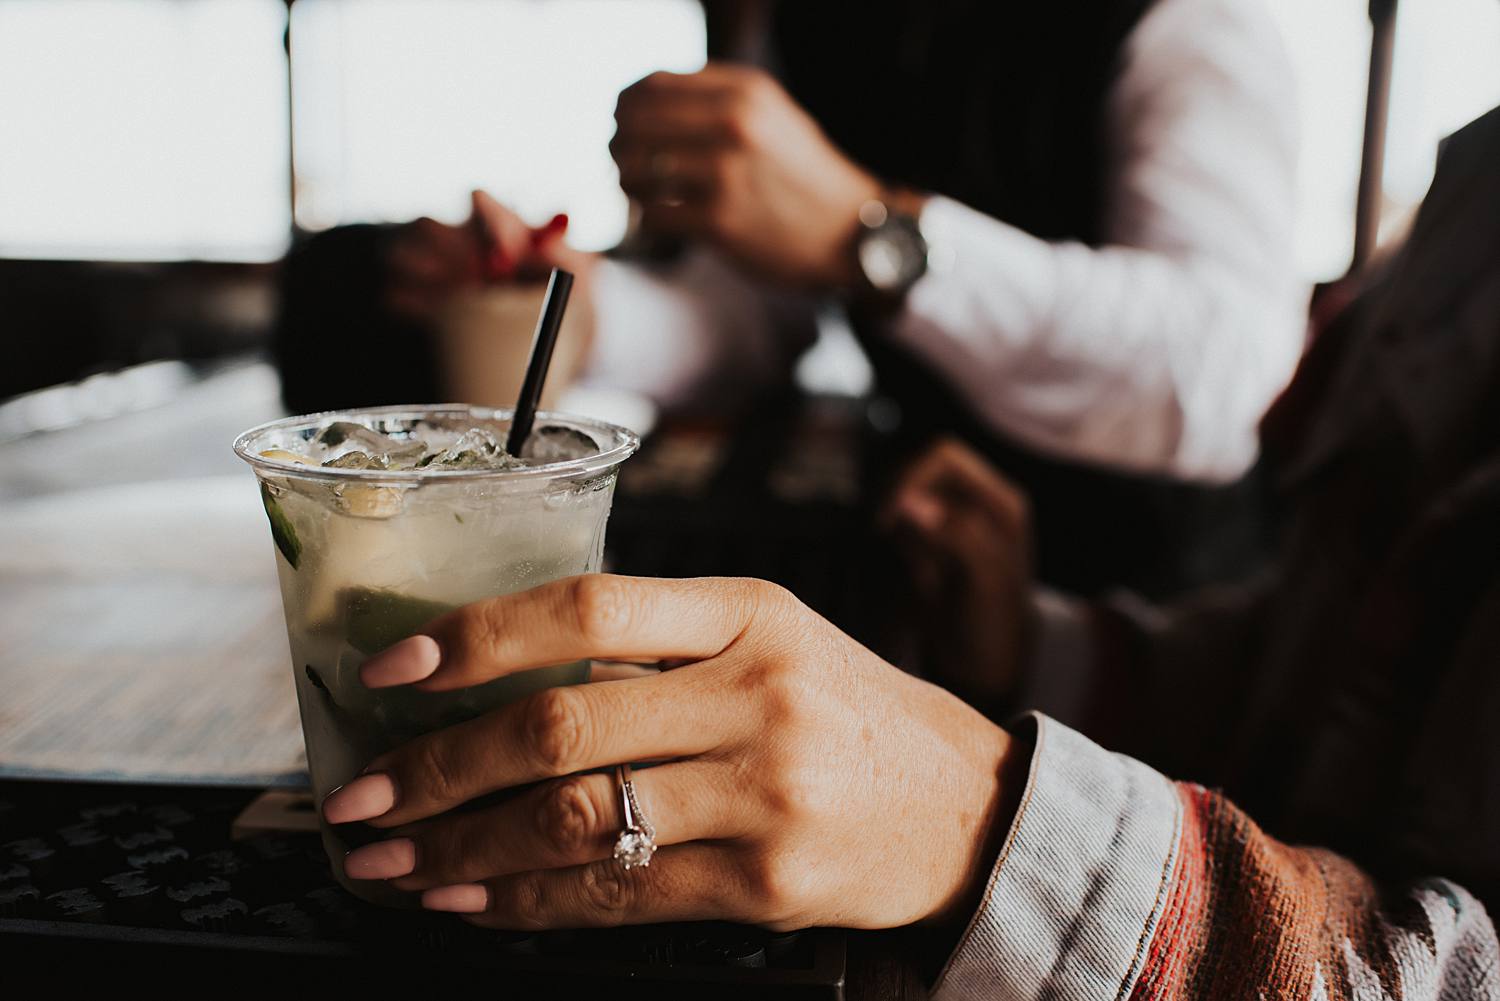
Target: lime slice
[(376, 618), (281, 528), (364, 501)]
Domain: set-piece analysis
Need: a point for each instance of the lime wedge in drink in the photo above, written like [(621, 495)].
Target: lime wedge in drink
[(377, 618), (281, 528)]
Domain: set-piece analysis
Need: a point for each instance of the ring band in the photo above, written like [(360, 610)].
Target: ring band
[(663, 167), (637, 841)]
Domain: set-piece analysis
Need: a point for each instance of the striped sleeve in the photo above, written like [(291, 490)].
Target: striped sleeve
[(1116, 884)]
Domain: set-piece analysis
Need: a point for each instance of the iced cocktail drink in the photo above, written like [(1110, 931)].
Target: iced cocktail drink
[(386, 518)]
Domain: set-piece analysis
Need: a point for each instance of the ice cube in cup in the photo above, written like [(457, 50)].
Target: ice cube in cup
[(555, 442), (476, 448), (339, 438), (383, 519)]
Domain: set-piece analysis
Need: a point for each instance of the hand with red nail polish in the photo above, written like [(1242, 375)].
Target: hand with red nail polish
[(556, 227), (430, 262), (523, 253)]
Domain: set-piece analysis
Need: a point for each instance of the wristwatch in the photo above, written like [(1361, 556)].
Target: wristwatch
[(890, 252)]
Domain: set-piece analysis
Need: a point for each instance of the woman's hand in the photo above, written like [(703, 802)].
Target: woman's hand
[(805, 781), (726, 155), (966, 532), (429, 261)]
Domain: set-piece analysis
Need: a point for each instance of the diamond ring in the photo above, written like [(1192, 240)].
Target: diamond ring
[(637, 841)]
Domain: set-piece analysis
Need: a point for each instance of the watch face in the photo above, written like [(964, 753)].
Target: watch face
[(893, 255)]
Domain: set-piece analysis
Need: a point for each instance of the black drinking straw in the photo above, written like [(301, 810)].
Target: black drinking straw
[(542, 344)]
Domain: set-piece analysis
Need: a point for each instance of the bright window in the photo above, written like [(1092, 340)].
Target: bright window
[(404, 106), (1446, 72), (157, 129), (145, 129)]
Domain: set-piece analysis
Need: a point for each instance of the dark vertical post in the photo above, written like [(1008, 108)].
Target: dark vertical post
[(1377, 112), (737, 29), (291, 124)]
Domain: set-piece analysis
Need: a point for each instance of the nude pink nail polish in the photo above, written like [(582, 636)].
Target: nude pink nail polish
[(382, 860), (462, 898), (411, 660), (365, 798)]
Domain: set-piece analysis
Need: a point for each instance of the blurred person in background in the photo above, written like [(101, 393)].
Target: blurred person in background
[(1064, 234), (1334, 829), (1348, 696)]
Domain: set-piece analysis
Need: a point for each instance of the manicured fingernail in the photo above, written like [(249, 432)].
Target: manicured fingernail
[(464, 898), (413, 659), (382, 860), (366, 798), (555, 226)]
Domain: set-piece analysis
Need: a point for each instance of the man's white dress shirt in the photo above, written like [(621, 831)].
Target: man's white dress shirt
[(1157, 351)]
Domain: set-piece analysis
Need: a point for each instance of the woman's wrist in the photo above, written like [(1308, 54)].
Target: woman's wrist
[(942, 930)]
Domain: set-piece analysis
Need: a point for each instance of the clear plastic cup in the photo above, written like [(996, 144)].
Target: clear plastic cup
[(367, 556)]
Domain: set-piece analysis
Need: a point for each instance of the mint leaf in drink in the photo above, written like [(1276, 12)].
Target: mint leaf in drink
[(281, 528), (378, 618), (373, 445), (337, 433), (358, 460), (330, 704)]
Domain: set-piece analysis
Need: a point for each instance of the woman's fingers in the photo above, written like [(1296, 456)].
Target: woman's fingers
[(690, 882), (553, 733), (558, 824), (595, 616), (505, 235)]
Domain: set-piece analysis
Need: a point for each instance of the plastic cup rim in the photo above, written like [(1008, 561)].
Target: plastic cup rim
[(627, 442)]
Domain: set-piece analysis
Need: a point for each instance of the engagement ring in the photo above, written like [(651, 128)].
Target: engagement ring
[(637, 841)]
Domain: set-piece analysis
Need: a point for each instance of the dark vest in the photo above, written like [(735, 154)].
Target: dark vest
[(1001, 106)]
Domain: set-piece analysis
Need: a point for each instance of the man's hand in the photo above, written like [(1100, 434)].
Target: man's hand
[(726, 156), (803, 780), (966, 531)]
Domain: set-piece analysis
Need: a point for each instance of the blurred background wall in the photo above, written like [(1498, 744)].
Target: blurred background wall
[(157, 157)]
